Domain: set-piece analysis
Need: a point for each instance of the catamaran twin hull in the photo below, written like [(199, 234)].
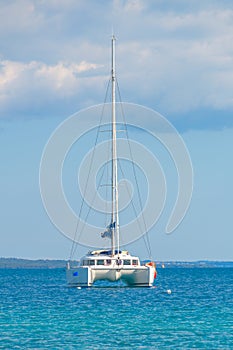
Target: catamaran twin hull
[(97, 267)]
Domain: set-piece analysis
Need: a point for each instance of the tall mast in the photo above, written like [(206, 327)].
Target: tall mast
[(115, 216)]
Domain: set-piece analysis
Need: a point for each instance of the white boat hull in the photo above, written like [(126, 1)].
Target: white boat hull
[(86, 276)]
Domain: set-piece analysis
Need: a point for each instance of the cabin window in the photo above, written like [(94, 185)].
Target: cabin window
[(88, 262), (100, 262), (118, 261), (127, 262), (108, 262), (135, 262)]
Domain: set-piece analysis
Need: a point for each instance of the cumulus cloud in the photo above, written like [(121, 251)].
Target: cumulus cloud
[(175, 57), (32, 85), (185, 64)]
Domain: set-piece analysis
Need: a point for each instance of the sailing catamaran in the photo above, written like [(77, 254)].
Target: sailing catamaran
[(113, 264)]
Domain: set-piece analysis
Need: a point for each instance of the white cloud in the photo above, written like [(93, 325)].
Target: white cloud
[(62, 75), (172, 57), (178, 70), (24, 84), (204, 21), (19, 15), (129, 6), (177, 76)]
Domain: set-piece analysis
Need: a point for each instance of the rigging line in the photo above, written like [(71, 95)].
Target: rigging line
[(89, 208), (127, 187), (135, 213), (86, 185), (134, 171), (147, 244), (146, 236), (74, 245)]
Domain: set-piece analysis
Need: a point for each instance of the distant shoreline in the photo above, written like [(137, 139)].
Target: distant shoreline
[(17, 263)]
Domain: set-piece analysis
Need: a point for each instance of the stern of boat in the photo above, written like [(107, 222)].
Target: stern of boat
[(140, 277), (79, 276)]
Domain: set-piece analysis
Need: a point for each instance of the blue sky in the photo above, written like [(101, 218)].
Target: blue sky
[(172, 56)]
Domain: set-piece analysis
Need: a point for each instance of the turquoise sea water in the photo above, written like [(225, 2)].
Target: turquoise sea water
[(38, 311)]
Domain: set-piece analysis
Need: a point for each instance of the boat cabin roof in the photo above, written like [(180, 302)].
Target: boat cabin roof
[(107, 254)]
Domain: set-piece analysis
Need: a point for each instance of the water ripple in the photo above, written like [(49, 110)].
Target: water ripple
[(38, 311)]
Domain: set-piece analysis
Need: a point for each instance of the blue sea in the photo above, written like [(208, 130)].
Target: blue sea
[(38, 311)]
